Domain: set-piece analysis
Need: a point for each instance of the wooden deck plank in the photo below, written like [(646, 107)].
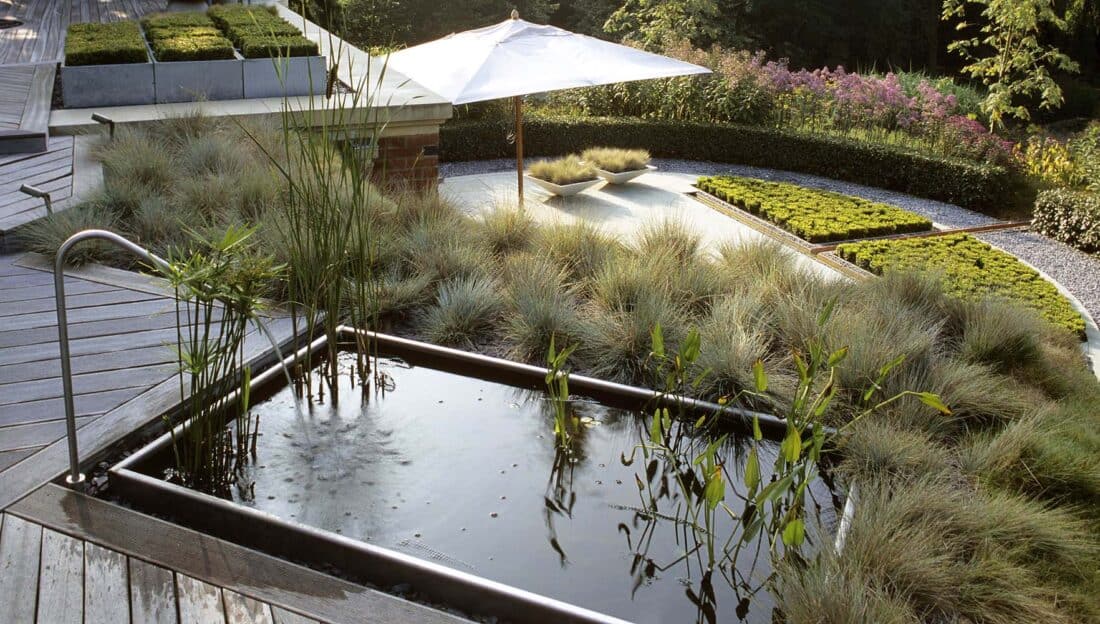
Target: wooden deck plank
[(61, 580), (199, 602), (240, 609), (105, 312), (283, 616), (48, 350), (88, 383), (152, 594), (19, 293), (92, 329), (37, 434), (106, 582), (86, 364), (20, 547), (218, 562), (74, 302), (10, 458)]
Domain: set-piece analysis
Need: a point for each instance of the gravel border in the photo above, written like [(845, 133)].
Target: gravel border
[(1075, 271)]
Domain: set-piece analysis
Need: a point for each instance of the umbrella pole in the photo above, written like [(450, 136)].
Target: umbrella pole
[(519, 147)]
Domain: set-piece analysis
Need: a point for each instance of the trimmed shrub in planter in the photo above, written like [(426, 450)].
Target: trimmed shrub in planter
[(104, 44), (970, 269), (106, 65), (278, 59), (813, 215), (982, 187), (194, 60), (277, 47), (1072, 217)]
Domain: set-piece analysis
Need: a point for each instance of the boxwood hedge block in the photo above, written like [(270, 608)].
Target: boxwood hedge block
[(276, 47), (813, 215), (176, 20), (970, 268), (978, 186), (186, 48), (1072, 217), (104, 44)]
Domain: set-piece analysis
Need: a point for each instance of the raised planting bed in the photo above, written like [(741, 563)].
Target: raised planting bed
[(970, 268), (106, 65), (444, 478), (195, 61), (564, 176), (813, 215), (278, 59), (618, 166)]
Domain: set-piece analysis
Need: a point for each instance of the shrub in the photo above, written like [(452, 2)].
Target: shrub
[(971, 269), (186, 37), (104, 44), (615, 160), (566, 170), (263, 46), (1072, 217), (816, 216), (986, 188)]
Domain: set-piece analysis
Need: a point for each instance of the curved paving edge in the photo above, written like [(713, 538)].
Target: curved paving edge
[(1075, 274)]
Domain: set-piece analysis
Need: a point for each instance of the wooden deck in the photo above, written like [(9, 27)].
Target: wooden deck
[(41, 38), (122, 326), (51, 171), (66, 557)]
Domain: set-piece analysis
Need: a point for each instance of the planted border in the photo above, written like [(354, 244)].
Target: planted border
[(1072, 217), (971, 268), (814, 215), (983, 187)]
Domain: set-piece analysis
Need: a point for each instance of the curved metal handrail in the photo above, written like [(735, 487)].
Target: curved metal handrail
[(75, 477)]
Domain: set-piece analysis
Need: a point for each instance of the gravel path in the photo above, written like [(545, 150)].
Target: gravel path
[(1077, 272)]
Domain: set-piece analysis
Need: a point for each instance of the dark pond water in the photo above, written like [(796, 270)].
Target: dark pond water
[(461, 472)]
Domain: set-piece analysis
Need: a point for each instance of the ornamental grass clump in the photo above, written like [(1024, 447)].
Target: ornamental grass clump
[(464, 311), (616, 160), (563, 171), (540, 308)]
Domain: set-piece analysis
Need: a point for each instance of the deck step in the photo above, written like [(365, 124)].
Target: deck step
[(25, 107)]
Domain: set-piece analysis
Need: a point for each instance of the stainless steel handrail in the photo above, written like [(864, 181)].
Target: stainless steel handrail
[(75, 477)]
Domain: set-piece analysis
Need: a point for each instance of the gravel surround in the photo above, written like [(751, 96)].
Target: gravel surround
[(1076, 271)]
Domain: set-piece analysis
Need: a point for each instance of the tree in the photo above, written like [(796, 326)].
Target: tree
[(1008, 56), (655, 24)]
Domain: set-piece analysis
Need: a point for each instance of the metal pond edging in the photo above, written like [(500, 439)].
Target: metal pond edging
[(370, 564)]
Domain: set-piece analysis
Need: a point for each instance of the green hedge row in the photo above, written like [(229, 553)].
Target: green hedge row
[(970, 268), (259, 33), (813, 215), (186, 37), (982, 187), (1072, 217), (104, 44)]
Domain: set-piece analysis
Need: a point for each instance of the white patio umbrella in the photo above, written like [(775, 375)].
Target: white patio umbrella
[(516, 58)]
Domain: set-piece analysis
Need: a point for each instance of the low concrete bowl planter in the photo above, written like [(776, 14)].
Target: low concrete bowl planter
[(121, 84), (296, 75), (189, 81), (623, 177), (563, 190)]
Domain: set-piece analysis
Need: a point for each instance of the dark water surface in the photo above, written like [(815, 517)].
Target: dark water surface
[(458, 471)]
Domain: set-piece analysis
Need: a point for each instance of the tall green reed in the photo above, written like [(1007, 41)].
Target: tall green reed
[(218, 286)]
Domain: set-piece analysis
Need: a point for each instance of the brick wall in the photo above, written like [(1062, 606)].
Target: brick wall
[(412, 160)]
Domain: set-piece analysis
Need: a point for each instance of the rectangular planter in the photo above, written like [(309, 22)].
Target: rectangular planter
[(296, 75), (85, 86), (190, 81)]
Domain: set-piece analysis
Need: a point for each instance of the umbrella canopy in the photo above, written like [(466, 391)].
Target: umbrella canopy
[(516, 57)]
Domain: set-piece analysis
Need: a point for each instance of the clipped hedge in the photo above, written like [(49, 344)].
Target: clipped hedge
[(269, 47), (970, 268), (1072, 217), (104, 44), (186, 37), (259, 33), (813, 215), (982, 187)]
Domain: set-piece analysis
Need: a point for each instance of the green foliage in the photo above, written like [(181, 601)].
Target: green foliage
[(562, 171), (654, 24), (260, 33), (1072, 217), (104, 44), (615, 160), (1008, 55), (970, 268), (464, 311), (982, 187), (277, 47), (816, 216), (186, 37)]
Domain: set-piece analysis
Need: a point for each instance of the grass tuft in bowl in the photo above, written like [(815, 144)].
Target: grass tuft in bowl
[(563, 171), (616, 160)]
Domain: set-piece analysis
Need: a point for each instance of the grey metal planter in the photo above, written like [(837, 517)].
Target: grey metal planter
[(296, 75), (85, 86), (189, 81)]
